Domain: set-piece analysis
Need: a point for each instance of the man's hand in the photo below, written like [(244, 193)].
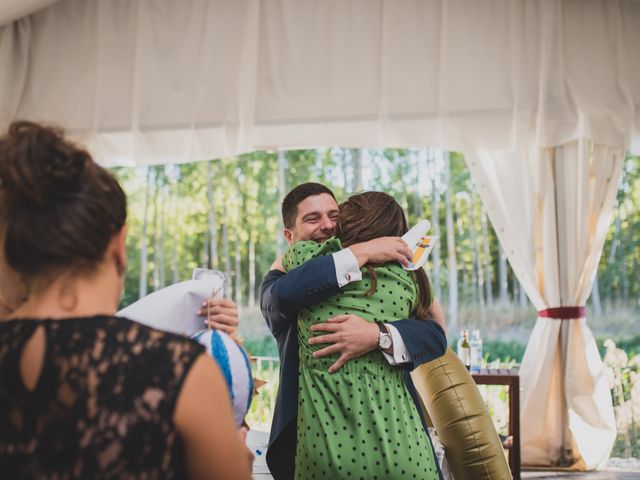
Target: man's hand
[(382, 250), (221, 315), (349, 335)]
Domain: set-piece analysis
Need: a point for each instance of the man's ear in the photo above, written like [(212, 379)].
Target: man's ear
[(288, 234)]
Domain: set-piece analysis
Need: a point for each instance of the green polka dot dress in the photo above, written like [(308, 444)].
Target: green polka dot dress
[(359, 422)]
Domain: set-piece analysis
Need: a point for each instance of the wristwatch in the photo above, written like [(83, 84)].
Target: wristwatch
[(384, 340)]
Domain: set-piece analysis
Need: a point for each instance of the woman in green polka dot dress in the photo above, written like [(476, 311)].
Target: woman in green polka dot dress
[(361, 422)]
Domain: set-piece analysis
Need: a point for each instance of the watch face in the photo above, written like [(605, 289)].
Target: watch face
[(385, 341)]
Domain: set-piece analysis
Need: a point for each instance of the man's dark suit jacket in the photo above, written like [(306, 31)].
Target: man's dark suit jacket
[(282, 296)]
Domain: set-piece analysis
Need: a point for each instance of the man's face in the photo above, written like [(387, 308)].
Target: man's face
[(315, 220)]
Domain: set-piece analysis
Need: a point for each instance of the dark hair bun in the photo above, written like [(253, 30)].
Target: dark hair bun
[(39, 165), (58, 209)]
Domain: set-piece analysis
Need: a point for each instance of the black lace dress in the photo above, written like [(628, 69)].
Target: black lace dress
[(103, 403)]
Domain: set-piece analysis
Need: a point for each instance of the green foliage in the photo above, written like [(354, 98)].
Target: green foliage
[(246, 201), (261, 346), (503, 351)]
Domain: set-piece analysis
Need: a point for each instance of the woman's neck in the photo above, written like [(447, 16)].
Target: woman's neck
[(68, 296)]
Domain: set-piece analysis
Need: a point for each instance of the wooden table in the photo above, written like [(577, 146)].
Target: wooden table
[(510, 378)]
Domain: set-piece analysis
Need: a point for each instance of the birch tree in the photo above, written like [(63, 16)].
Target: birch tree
[(142, 284), (452, 264), (435, 221), (282, 191), (212, 260), (502, 276), (488, 291)]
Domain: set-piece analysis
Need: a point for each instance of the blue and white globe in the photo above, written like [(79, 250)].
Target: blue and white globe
[(234, 364)]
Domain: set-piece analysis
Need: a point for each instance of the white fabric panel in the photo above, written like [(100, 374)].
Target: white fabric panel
[(145, 81), (14, 50), (11, 10), (550, 208)]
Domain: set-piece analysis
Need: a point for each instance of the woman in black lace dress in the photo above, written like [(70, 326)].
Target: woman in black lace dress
[(83, 393)]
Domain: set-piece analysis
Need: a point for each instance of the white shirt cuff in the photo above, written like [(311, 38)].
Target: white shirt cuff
[(347, 268), (400, 352)]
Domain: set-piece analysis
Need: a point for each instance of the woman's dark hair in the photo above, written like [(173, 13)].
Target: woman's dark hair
[(58, 208), (370, 215)]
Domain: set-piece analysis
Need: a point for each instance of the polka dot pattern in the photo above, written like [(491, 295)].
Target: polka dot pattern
[(359, 422)]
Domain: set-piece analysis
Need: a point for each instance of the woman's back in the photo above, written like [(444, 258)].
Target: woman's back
[(102, 404), (360, 421), (393, 299)]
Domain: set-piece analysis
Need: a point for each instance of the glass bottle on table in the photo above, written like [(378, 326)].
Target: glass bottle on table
[(464, 349), (476, 352)]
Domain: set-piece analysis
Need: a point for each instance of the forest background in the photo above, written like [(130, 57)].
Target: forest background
[(225, 214)]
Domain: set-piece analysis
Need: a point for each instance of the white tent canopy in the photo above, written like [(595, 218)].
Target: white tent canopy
[(166, 81), (549, 89)]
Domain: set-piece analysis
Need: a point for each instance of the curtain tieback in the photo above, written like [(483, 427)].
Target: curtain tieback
[(560, 313)]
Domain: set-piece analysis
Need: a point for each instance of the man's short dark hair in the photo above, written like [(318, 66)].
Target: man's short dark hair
[(297, 195)]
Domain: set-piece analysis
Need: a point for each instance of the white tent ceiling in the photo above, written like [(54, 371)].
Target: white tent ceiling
[(11, 10), (550, 88), (164, 81)]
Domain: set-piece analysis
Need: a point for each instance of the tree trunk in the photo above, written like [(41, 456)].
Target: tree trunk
[(204, 253), (174, 238), (418, 198), (154, 240), (252, 271), (488, 290), (522, 296), (227, 262), (595, 298), (142, 283), (345, 169), (476, 239), (515, 287), (452, 263), (238, 274), (282, 189), (624, 274), (615, 241), (213, 220), (435, 224), (400, 163), (160, 237), (356, 164), (502, 275)]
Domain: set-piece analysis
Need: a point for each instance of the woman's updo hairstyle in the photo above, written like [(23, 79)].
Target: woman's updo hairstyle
[(58, 208)]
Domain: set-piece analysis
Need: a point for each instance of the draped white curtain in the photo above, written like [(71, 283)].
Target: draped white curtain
[(152, 81), (550, 208)]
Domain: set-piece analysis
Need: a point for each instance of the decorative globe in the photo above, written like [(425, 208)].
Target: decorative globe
[(234, 364)]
